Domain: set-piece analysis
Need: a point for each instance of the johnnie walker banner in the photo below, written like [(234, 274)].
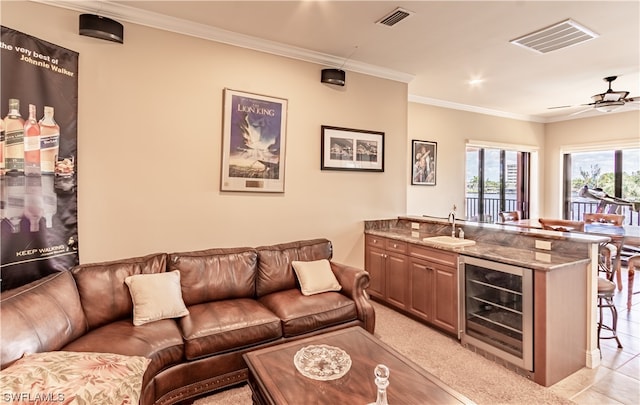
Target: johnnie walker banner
[(38, 155)]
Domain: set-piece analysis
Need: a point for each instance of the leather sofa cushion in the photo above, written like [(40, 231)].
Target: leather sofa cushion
[(160, 341), (104, 295), (301, 313), (41, 316), (275, 272), (216, 274), (221, 326)]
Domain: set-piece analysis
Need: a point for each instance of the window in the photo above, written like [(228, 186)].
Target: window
[(496, 180), (615, 172)]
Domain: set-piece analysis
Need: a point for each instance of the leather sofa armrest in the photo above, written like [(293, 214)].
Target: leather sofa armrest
[(354, 281)]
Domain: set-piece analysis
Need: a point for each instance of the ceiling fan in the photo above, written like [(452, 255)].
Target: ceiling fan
[(608, 101)]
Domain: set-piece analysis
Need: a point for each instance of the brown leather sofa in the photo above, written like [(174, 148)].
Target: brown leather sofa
[(239, 299)]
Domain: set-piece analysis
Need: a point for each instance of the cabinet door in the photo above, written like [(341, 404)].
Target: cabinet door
[(375, 265), (446, 303), (421, 295), (397, 282)]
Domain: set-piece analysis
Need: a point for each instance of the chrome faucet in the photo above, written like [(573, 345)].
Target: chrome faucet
[(452, 220)]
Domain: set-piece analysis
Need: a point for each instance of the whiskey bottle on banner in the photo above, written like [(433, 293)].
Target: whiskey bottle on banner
[(14, 139), (49, 141), (1, 147), (49, 200), (3, 199), (33, 202), (32, 144), (15, 201)]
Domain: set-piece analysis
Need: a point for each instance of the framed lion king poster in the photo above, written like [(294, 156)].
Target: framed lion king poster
[(253, 142)]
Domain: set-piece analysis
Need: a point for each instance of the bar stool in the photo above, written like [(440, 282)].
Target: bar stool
[(633, 263), (608, 223), (508, 216), (604, 261), (606, 290)]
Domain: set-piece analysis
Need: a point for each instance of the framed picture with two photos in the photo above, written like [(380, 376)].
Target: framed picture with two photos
[(351, 149)]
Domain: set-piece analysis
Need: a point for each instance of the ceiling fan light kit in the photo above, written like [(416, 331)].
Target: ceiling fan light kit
[(610, 95), (608, 101), (608, 106)]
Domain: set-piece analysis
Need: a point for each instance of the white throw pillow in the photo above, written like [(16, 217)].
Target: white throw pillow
[(316, 277), (156, 296)]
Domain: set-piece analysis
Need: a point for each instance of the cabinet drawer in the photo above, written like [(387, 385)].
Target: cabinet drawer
[(434, 255), (371, 240), (396, 246)]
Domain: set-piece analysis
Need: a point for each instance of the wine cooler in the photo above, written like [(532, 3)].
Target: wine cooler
[(496, 309)]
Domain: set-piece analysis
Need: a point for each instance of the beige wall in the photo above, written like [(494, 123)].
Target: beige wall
[(149, 144), (606, 131), (451, 129)]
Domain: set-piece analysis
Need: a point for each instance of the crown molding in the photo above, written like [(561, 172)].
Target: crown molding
[(471, 108), (134, 15), (124, 13)]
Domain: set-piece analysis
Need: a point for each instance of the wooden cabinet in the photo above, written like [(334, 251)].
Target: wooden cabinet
[(422, 299), (374, 263), (446, 291), (416, 279), (434, 288), (386, 261)]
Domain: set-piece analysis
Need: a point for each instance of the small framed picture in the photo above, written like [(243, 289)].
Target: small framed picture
[(424, 158), (351, 149)]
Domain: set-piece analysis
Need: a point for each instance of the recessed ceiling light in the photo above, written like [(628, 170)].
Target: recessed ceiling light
[(475, 82)]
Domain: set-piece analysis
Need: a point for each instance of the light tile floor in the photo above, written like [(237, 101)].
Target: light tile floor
[(617, 379)]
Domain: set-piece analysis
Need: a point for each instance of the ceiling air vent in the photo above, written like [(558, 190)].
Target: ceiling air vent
[(561, 35), (394, 17)]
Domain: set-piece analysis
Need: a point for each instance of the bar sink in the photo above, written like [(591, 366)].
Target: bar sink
[(448, 241)]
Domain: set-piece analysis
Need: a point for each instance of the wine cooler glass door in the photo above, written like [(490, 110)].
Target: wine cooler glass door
[(497, 312)]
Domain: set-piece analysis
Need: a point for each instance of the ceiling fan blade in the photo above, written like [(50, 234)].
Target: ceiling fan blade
[(581, 111), (634, 99), (568, 106)]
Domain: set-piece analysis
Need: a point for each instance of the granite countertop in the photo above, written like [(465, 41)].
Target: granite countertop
[(533, 259)]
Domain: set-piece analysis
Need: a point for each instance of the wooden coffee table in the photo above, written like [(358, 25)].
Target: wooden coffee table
[(274, 379)]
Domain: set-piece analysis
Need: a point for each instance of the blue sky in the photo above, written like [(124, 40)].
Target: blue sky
[(604, 160)]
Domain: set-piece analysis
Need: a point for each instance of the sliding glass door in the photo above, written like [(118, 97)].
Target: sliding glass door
[(613, 173), (496, 180)]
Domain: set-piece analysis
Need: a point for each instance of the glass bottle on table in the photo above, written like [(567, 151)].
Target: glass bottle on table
[(14, 139), (381, 372), (32, 144), (49, 141)]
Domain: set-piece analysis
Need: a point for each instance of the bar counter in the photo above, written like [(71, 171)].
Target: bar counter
[(493, 241), (565, 272)]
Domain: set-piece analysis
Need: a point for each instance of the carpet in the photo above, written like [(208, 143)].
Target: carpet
[(476, 377)]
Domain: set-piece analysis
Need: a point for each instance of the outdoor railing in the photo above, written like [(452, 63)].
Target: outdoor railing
[(578, 209), (491, 209)]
